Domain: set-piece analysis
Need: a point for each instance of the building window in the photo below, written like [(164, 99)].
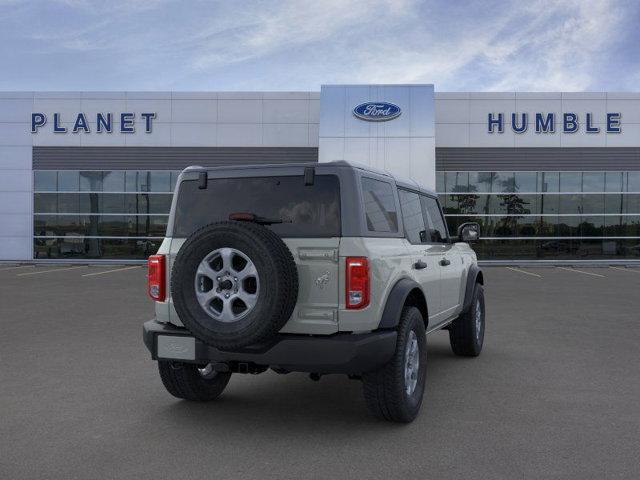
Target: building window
[(116, 214), (546, 215)]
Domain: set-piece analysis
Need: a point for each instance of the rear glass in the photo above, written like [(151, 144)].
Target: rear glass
[(306, 210)]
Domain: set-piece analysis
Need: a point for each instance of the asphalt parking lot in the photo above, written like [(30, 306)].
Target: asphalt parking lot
[(555, 393)]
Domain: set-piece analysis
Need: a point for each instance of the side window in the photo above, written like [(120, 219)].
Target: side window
[(437, 229), (414, 227), (379, 206)]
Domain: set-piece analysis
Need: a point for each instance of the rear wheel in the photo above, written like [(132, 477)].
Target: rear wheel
[(192, 382), (395, 392), (466, 333)]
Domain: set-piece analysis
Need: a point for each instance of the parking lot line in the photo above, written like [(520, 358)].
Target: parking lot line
[(522, 271), (15, 268), (633, 270), (49, 271), (581, 271), (111, 271)]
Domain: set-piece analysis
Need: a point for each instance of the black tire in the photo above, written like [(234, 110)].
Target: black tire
[(466, 335), (385, 390), (277, 290), (183, 380)]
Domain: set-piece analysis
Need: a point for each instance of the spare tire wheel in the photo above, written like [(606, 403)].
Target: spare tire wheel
[(234, 284)]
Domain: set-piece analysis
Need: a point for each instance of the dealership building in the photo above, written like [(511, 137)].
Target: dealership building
[(549, 176)]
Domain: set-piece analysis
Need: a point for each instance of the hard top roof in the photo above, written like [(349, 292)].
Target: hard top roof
[(400, 181)]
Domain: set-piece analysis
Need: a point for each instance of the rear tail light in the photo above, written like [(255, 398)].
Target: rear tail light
[(156, 279), (357, 282)]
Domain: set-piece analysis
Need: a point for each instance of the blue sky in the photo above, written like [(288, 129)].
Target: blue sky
[(535, 45)]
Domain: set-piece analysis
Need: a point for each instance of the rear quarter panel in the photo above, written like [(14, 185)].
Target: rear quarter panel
[(389, 261)]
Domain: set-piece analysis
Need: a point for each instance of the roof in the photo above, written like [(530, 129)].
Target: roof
[(400, 181)]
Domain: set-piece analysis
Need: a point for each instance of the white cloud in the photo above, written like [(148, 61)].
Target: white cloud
[(299, 44)]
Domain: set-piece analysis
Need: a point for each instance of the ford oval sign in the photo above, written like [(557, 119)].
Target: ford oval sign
[(377, 111)]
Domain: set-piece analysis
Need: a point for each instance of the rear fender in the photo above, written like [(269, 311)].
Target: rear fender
[(397, 300)]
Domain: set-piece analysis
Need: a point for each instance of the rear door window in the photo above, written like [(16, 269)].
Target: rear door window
[(412, 218), (437, 229), (379, 206), (305, 210)]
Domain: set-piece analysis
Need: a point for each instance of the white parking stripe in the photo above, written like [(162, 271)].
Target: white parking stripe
[(522, 271), (15, 268), (49, 271), (634, 270), (581, 271), (111, 271)]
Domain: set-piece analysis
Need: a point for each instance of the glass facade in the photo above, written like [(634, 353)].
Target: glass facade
[(546, 215), (122, 214), (100, 214)]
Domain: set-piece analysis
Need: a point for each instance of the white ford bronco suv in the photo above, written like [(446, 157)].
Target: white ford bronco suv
[(319, 268)]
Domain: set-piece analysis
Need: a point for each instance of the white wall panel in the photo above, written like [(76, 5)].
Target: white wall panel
[(15, 180), (161, 136), (239, 135), (422, 167), (330, 149), (15, 158), (314, 130), (630, 109), (314, 111), (358, 149), (148, 95), (583, 139), (17, 110), (15, 225), (285, 111), (479, 110), (16, 203), (531, 138), (630, 136), (597, 107), (452, 134), (162, 109), (452, 111), (478, 137), (46, 136), (193, 135), (285, 135), (102, 139), (194, 111), (16, 248), (92, 106), (68, 108), (239, 111), (15, 134)]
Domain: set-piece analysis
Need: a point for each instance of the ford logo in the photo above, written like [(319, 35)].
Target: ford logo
[(377, 111)]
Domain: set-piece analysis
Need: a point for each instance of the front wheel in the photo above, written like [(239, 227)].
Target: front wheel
[(395, 392), (466, 333), (192, 382)]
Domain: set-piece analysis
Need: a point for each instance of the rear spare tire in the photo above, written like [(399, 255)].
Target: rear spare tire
[(234, 284)]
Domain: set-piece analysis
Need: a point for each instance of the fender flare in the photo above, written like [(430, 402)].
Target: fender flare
[(395, 302), (473, 276)]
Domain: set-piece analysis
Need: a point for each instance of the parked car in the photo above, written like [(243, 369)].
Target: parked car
[(321, 268)]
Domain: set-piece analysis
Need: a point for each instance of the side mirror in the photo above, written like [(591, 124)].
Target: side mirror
[(469, 232)]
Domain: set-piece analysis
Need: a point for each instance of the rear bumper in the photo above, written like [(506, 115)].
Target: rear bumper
[(340, 353)]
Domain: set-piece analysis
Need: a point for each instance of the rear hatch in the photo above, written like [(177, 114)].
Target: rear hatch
[(309, 212)]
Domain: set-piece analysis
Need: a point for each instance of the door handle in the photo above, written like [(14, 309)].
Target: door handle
[(444, 262), (419, 265)]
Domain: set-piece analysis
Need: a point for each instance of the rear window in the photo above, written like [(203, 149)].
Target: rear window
[(306, 211)]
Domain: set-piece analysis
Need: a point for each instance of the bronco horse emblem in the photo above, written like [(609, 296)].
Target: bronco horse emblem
[(322, 280)]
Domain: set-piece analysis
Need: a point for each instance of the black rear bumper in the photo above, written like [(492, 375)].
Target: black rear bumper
[(339, 353)]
